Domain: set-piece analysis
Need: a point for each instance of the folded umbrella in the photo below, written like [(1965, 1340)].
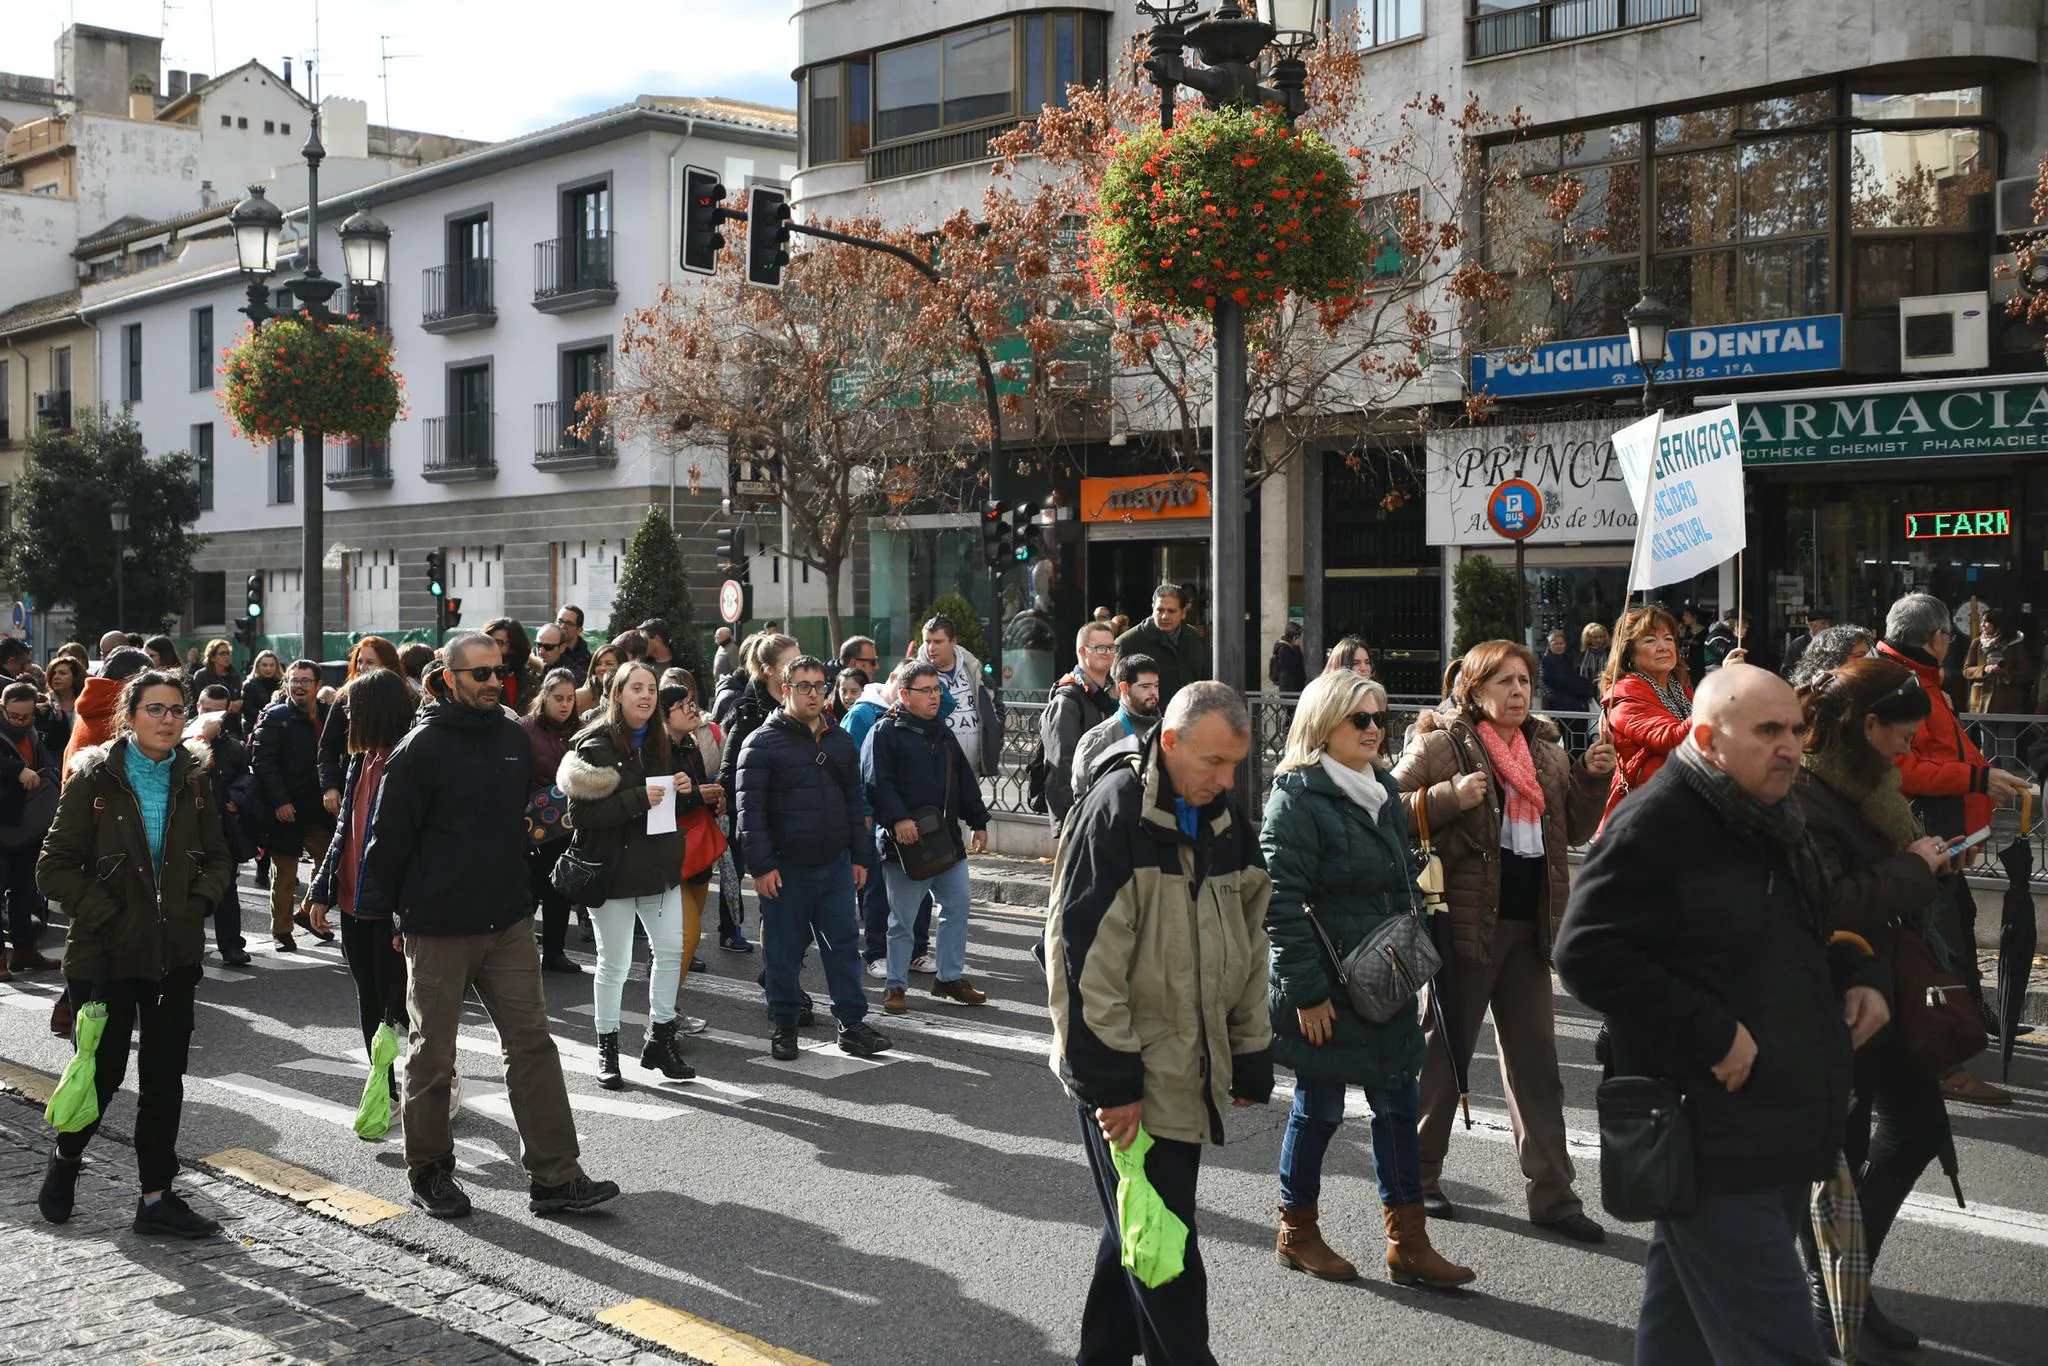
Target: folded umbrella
[(1443, 1008), (1154, 1237), (1837, 1213), (2017, 936), (75, 1103), (373, 1116)]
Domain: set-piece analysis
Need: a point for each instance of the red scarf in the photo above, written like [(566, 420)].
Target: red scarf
[(1522, 814)]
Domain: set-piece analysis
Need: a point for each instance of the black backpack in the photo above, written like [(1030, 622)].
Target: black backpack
[(1036, 768)]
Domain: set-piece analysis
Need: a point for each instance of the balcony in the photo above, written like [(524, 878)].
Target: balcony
[(557, 448), (458, 297), (1544, 22), (359, 465), (574, 272), (954, 147), (53, 410), (458, 448)]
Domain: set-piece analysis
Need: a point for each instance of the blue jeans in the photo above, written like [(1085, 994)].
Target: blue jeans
[(813, 901), (874, 921), (1725, 1284), (950, 892), (1312, 1123)]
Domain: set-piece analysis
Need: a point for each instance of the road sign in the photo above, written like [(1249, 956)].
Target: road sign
[(732, 600), (20, 616), (1515, 509)]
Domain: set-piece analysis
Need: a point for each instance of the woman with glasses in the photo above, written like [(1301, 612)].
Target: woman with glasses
[(1504, 802), (617, 772), (1336, 845), (1645, 698), (1349, 655), (137, 858)]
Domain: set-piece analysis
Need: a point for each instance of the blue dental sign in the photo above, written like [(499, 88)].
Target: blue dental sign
[(1789, 346)]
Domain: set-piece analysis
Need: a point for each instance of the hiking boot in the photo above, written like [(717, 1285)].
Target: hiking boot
[(608, 1075), (1301, 1246), (1410, 1258), (439, 1196), (960, 991), (562, 963), (28, 960), (578, 1193), (59, 1194), (665, 1052), (173, 1216), (862, 1040), (782, 1044), (894, 1002), (1966, 1086)]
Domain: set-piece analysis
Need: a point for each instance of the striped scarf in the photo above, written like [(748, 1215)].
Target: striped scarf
[(1521, 821), (1669, 693)]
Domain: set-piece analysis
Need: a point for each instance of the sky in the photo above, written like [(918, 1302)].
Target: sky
[(468, 68)]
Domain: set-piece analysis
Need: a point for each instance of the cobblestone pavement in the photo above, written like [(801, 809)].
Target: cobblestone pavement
[(280, 1286)]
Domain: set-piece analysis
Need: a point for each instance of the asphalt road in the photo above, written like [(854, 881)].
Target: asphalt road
[(933, 1205)]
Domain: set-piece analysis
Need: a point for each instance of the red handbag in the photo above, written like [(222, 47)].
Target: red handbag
[(703, 842)]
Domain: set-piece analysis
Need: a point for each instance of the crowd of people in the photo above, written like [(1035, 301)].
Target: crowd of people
[(462, 807)]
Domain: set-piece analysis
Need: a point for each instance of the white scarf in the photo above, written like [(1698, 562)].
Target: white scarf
[(1364, 788)]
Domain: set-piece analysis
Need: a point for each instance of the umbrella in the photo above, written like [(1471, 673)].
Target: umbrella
[(1155, 1240), (1844, 1259), (1443, 990), (2017, 935), (373, 1116), (75, 1104)]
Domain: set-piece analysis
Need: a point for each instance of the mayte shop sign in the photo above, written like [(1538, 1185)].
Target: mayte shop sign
[(1585, 497), (1789, 346), (1989, 419)]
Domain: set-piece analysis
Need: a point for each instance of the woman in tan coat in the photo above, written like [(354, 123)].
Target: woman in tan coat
[(1503, 801)]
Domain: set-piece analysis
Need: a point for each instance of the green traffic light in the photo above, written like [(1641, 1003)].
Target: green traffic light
[(255, 609), (1022, 554)]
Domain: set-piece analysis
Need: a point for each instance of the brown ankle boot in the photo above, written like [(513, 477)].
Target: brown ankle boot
[(28, 960), (1301, 1246), (1410, 1258)]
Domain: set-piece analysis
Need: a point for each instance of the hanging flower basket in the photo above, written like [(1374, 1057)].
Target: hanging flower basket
[(290, 376), (1232, 203)]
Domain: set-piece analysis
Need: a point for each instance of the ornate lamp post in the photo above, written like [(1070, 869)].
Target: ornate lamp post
[(1230, 43), (366, 258), (117, 516), (1649, 340)]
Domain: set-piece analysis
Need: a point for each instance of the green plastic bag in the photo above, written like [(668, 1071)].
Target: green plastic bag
[(373, 1116), (1155, 1239), (76, 1101)]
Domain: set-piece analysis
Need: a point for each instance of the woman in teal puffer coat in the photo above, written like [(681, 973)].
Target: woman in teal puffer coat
[(1336, 843)]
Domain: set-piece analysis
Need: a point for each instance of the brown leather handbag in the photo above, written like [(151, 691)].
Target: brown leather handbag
[(1937, 1021)]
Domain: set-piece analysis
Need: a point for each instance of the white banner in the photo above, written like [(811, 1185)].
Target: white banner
[(1685, 477)]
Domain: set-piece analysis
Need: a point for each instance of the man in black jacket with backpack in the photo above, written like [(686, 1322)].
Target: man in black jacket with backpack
[(1725, 984), (803, 830), (1080, 702)]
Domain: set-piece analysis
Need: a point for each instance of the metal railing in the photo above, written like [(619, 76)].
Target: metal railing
[(555, 443), (954, 147), (361, 464), (568, 265), (53, 410), (459, 443), (459, 289), (1560, 21)]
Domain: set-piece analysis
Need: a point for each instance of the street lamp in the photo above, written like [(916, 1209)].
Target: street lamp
[(1649, 339), (366, 257), (117, 515), (1230, 44)]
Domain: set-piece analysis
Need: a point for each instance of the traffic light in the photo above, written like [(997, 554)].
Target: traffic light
[(995, 533), (252, 595), (437, 573), (732, 552), (452, 612), (1022, 546), (767, 236), (703, 211)]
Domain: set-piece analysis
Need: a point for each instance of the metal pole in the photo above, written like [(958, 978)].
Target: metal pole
[(1312, 560), (312, 550), (1521, 595), (121, 579), (789, 575), (1226, 498)]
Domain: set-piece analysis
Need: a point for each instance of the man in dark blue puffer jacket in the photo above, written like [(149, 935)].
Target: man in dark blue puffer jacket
[(801, 827)]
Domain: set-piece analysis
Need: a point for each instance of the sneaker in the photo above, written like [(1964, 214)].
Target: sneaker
[(1966, 1086), (60, 1190), (894, 1002), (173, 1216), (862, 1040), (879, 969), (562, 963), (782, 1044), (735, 943), (696, 965), (439, 1196), (581, 1193), (960, 991), (692, 1024), (925, 964)]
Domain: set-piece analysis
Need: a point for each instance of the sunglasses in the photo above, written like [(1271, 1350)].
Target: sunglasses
[(550, 648), (1369, 720), (484, 673)]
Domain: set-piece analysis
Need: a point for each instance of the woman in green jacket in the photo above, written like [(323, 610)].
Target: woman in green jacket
[(1336, 844)]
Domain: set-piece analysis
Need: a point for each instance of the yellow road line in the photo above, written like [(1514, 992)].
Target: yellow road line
[(698, 1338), (315, 1192), (35, 1085)]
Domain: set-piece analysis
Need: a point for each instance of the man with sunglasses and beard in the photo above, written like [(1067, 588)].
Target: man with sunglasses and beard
[(448, 846)]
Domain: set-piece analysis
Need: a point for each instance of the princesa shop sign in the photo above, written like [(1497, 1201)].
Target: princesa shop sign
[(1991, 419), (1572, 464)]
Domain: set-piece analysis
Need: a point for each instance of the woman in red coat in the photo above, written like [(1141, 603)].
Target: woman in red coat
[(1645, 696)]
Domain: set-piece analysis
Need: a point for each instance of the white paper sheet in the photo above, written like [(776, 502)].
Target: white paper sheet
[(661, 820)]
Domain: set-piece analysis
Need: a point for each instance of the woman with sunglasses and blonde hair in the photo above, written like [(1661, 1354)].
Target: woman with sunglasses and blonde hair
[(1504, 802), (1336, 844)]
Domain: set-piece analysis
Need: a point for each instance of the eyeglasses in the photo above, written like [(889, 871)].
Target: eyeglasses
[(929, 690), (14, 719), (484, 673), (1102, 649), (1369, 720), (157, 711), (807, 689)]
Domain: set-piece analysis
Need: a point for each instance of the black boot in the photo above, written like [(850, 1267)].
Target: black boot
[(665, 1051), (60, 1190), (608, 1062), (1896, 1336)]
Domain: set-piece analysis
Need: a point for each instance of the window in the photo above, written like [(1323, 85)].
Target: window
[(977, 74), (60, 367), (241, 123), (469, 263), (269, 126), (1385, 216), (202, 348), (962, 77), (587, 212), (1380, 21), (285, 128), (131, 355), (202, 463), (282, 485), (1499, 26), (227, 120), (210, 598), (906, 91), (824, 124), (469, 415), (1060, 50), (6, 404), (583, 372)]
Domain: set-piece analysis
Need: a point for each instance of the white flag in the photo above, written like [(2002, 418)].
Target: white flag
[(1685, 477)]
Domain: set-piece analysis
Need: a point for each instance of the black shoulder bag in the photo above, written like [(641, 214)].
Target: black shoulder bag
[(1646, 1164), (938, 836)]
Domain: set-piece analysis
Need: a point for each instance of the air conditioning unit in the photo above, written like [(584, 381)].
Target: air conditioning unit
[(1944, 332), (2015, 206)]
